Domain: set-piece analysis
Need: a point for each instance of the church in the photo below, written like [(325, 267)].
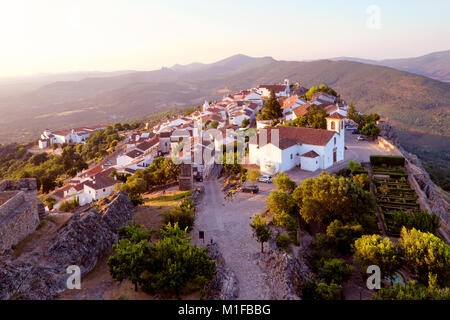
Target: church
[(282, 148)]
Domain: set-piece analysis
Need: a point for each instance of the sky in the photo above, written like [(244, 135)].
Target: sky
[(57, 36)]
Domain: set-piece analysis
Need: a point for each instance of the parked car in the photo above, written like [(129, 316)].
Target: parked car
[(360, 138), (266, 179), (355, 131), (250, 189), (198, 177)]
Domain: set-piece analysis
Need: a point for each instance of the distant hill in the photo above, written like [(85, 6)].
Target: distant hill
[(435, 65), (414, 103)]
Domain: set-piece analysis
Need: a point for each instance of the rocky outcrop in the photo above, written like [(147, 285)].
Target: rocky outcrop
[(224, 285), (283, 274), (82, 241)]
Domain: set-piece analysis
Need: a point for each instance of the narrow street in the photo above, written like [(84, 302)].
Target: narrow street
[(227, 223)]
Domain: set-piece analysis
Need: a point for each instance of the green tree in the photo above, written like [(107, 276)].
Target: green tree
[(174, 264), (134, 185), (363, 180), (214, 124), (128, 261), (284, 183), (272, 108), (374, 250), (278, 202), (335, 271), (351, 111), (253, 175), (260, 230), (332, 291), (353, 165), (49, 202), (170, 264), (298, 122), (326, 198), (135, 232), (425, 253), (414, 291), (370, 130), (343, 236), (183, 215), (245, 123), (316, 117)]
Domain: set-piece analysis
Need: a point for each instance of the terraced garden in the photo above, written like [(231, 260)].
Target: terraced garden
[(392, 189)]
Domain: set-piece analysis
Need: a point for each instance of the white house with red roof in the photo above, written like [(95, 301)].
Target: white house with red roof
[(280, 90), (75, 135), (282, 148)]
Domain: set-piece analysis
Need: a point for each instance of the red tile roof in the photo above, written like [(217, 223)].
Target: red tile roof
[(101, 182), (310, 154), (289, 136), (276, 88), (336, 116)]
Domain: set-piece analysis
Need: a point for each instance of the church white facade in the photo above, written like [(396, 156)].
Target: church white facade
[(283, 148)]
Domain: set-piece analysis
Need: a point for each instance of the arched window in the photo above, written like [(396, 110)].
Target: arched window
[(333, 125)]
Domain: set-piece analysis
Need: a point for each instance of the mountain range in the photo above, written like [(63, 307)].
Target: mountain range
[(435, 65), (418, 105)]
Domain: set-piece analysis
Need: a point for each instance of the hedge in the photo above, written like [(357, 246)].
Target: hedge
[(389, 160)]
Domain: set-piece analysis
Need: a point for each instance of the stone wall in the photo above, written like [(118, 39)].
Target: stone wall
[(19, 215), (82, 241)]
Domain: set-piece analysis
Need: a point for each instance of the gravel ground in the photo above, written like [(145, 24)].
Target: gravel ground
[(227, 223)]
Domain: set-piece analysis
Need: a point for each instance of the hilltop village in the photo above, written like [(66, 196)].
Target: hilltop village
[(273, 192), (308, 149)]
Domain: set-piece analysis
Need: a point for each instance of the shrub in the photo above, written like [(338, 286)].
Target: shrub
[(344, 172), (183, 215), (424, 254), (320, 290), (363, 180), (335, 271), (68, 206), (343, 236), (284, 183), (419, 219), (283, 241), (388, 160), (413, 291), (374, 250), (353, 165), (330, 291)]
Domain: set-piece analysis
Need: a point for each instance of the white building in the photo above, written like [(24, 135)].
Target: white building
[(98, 187), (76, 135), (280, 90), (283, 148)]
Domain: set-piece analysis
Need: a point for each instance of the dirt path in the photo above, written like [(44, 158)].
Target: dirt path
[(227, 223)]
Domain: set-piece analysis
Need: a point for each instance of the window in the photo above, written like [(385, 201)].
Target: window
[(333, 126), (342, 124), (104, 190), (334, 140), (291, 155)]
